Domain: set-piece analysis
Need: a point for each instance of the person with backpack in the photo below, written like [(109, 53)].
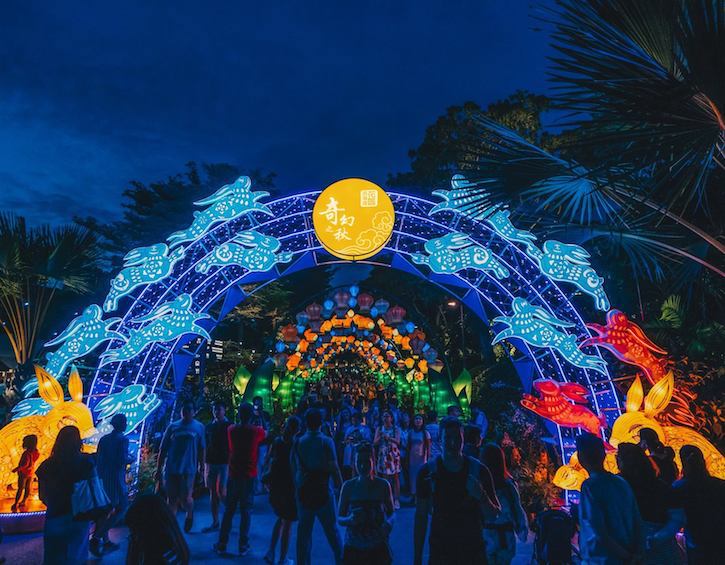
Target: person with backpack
[(554, 529), (314, 462), (459, 493), (244, 440), (500, 533)]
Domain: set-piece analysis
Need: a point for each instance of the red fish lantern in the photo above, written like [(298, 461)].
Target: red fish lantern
[(382, 305), (289, 333), (341, 298)]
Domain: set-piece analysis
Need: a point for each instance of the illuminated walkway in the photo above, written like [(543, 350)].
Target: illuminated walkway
[(28, 549)]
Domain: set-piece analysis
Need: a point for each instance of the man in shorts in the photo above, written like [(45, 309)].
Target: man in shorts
[(180, 457), (217, 461)]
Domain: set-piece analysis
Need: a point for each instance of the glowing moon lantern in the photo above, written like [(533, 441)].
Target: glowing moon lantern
[(353, 219)]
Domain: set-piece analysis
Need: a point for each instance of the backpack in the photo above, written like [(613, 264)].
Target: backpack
[(314, 490), (555, 528)]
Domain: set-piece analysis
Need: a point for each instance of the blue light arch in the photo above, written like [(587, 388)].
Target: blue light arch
[(291, 223)]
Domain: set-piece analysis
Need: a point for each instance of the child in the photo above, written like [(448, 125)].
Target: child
[(26, 470)]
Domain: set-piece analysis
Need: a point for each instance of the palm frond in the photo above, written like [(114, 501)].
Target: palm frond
[(643, 79)]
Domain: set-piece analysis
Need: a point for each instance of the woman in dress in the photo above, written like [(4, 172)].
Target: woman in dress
[(366, 510), (387, 444), (500, 533), (65, 541), (282, 491), (418, 449)]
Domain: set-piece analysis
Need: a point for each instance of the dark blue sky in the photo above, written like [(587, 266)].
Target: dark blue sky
[(94, 94)]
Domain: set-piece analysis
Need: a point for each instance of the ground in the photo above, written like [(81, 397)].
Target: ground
[(28, 549)]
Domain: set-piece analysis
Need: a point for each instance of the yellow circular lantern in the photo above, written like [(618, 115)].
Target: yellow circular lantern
[(353, 219)]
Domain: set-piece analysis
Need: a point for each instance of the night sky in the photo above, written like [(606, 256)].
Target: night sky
[(95, 94)]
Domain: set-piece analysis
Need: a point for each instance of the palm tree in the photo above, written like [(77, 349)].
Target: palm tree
[(638, 174), (36, 266)]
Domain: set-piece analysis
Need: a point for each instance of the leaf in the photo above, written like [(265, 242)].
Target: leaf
[(635, 394), (672, 311), (659, 395)]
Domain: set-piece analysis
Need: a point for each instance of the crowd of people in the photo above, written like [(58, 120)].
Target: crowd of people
[(352, 468)]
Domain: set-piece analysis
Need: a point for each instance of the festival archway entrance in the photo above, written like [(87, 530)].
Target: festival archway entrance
[(170, 295)]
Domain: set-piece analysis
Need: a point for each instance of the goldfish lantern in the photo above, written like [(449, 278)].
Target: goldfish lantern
[(430, 354), (385, 365), (423, 366), (354, 290), (401, 364), (313, 363), (418, 376), (395, 315), (280, 347), (409, 362), (305, 374), (405, 343), (364, 302), (302, 318), (280, 359), (341, 298), (313, 311), (326, 326), (289, 333), (310, 335), (381, 306), (303, 345)]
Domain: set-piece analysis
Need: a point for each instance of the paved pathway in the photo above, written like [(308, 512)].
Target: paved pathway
[(28, 549)]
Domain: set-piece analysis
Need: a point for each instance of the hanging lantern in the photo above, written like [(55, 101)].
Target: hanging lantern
[(410, 327), (354, 290), (395, 315), (381, 306), (289, 333), (313, 311), (328, 304), (315, 325), (352, 302), (430, 354), (280, 360), (302, 318), (300, 328), (374, 312), (280, 347), (365, 302), (341, 298), (416, 344)]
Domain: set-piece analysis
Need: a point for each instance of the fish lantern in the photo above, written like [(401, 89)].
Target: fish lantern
[(280, 347), (289, 333), (409, 362), (381, 306), (303, 345), (430, 354), (310, 335), (341, 298), (302, 318), (352, 302), (418, 376), (423, 366), (405, 343), (374, 312), (364, 302), (280, 360), (326, 326), (313, 363), (410, 327), (395, 315), (328, 305), (354, 290), (313, 311)]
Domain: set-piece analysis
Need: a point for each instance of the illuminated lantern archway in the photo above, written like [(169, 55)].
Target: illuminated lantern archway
[(159, 309)]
